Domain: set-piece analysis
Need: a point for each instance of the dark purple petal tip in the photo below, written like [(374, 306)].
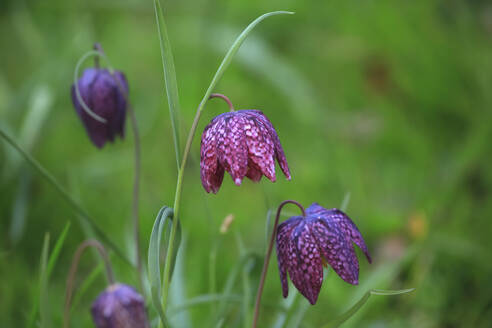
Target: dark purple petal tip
[(119, 306), (305, 244), (105, 94)]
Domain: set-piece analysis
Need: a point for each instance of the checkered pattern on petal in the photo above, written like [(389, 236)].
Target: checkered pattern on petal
[(284, 232), (242, 143), (346, 224)]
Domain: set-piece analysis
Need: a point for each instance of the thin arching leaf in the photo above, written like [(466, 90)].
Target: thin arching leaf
[(233, 50), (162, 221), (169, 77), (356, 307)]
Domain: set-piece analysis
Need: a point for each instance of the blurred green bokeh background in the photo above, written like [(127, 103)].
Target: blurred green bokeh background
[(389, 101)]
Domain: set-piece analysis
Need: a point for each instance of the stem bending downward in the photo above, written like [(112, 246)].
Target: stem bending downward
[(267, 257), (73, 270)]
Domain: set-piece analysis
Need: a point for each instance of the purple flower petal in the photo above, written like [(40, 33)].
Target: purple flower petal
[(242, 143), (284, 232), (305, 266), (260, 147), (279, 151), (232, 150), (336, 249), (102, 94)]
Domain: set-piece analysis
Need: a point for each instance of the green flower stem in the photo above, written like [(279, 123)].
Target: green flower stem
[(267, 257), (179, 185), (65, 195), (136, 187)]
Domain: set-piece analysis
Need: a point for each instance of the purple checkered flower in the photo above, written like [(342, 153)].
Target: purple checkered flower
[(305, 244), (105, 94), (243, 143), (119, 306)]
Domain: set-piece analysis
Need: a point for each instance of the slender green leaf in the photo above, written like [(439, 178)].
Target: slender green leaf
[(64, 193), (57, 249), (356, 307), (86, 283), (233, 50), (46, 269), (43, 284), (163, 220), (169, 77)]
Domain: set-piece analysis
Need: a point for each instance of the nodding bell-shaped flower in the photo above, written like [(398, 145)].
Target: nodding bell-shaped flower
[(243, 143), (119, 306), (105, 95), (305, 244)]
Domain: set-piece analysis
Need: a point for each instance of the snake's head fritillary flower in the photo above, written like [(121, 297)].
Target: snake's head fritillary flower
[(105, 95), (243, 143), (305, 244), (119, 306)]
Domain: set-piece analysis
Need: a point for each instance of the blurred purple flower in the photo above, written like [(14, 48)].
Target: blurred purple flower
[(105, 94), (243, 143), (305, 244), (119, 306)]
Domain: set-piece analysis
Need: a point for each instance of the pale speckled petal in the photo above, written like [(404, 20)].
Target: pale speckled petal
[(279, 151), (260, 146), (243, 143), (211, 172), (284, 232), (305, 266), (232, 150)]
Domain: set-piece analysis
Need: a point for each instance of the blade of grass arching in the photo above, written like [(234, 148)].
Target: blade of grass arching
[(57, 249), (170, 81), (233, 50), (43, 284), (154, 259), (353, 310), (70, 200)]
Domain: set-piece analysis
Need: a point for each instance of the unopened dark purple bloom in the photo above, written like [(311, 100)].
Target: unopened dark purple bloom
[(119, 306), (105, 95), (305, 244), (243, 143)]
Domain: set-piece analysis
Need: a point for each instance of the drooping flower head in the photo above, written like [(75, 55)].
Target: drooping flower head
[(243, 143), (105, 95), (305, 244), (119, 306)]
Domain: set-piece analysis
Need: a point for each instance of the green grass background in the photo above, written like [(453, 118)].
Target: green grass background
[(387, 100)]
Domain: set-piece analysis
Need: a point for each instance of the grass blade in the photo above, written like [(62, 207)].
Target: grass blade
[(169, 77), (350, 312), (233, 50), (73, 203), (43, 284), (163, 220)]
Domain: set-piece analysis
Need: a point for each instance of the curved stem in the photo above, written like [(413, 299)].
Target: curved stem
[(136, 179), (73, 270), (219, 95), (267, 257), (136, 188), (65, 195)]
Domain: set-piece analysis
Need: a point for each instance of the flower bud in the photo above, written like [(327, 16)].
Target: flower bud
[(119, 306), (105, 95)]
